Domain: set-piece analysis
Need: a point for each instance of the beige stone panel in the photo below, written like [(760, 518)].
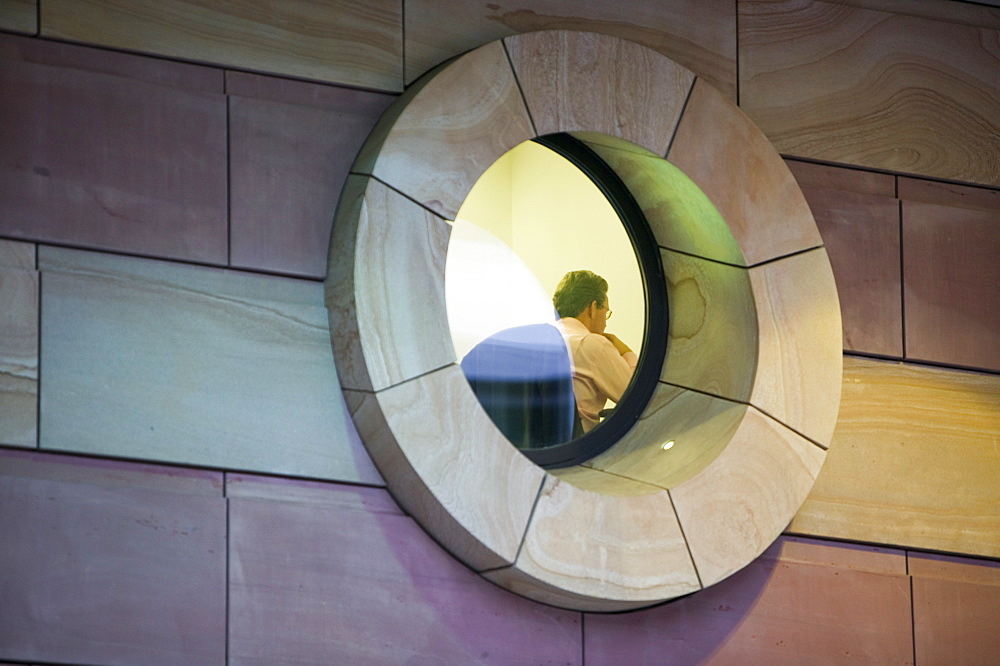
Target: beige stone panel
[(449, 466), (914, 461), (699, 35), (680, 216), (873, 88), (699, 426), (191, 365), (435, 143), (955, 12), (605, 553), (736, 166), (598, 83), (712, 344), (15, 254), (19, 16), (385, 288), (799, 364), (737, 506), (354, 42), (18, 350)]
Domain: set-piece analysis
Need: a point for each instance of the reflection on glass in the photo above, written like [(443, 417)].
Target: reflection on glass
[(531, 219)]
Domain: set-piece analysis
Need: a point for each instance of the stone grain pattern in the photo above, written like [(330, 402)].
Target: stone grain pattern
[(190, 364), (695, 33), (353, 42), (914, 461), (896, 91)]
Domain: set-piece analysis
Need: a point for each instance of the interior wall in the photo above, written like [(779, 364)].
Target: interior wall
[(170, 422)]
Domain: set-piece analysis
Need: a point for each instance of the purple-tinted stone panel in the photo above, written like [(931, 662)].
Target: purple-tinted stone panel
[(292, 145), (112, 151), (315, 584), (951, 274), (861, 235), (956, 603), (110, 563), (811, 175), (778, 610)]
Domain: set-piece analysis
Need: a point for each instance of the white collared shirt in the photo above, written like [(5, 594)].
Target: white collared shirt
[(600, 373)]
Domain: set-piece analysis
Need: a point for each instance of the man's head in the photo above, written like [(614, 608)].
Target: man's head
[(584, 295)]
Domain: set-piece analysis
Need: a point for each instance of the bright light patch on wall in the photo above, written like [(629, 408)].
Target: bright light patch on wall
[(667, 445), (488, 288)]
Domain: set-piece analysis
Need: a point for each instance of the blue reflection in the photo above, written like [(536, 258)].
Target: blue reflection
[(522, 377)]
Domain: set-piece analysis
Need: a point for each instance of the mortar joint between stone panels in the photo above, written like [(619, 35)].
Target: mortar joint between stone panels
[(405, 196), (703, 258), (520, 88), (707, 393), (38, 357), (531, 517), (402, 44), (687, 544), (913, 618), (790, 255), (402, 382), (809, 439), (902, 280), (680, 118)]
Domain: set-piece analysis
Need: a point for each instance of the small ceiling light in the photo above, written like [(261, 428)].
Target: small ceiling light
[(667, 445)]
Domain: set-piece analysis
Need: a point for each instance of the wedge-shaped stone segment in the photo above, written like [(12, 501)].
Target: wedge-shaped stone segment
[(385, 290), (800, 362), (733, 163), (435, 143), (679, 214), (713, 338), (451, 468), (737, 506), (599, 83), (679, 434), (593, 552)]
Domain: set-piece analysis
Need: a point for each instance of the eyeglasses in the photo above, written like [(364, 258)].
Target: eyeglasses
[(608, 315)]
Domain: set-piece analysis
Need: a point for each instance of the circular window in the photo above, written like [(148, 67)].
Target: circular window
[(744, 379), (547, 208)]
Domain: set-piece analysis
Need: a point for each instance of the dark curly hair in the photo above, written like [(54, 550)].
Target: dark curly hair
[(577, 290)]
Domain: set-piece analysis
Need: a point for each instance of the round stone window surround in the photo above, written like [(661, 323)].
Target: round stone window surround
[(619, 532)]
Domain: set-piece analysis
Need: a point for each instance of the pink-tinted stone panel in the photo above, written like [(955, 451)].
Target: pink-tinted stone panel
[(112, 151), (948, 194), (951, 275), (110, 563), (311, 584), (861, 235), (292, 145), (956, 603), (812, 175), (781, 609)]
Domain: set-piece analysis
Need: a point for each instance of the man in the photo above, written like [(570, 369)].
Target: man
[(602, 364)]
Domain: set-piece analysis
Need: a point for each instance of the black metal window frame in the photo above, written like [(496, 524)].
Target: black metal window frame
[(657, 316)]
